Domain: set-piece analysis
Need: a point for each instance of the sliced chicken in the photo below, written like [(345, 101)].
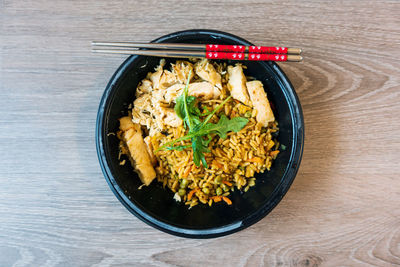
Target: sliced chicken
[(149, 146), (170, 118), (142, 118), (260, 102), (131, 135), (143, 103), (142, 109), (144, 87), (181, 70), (157, 96), (167, 79), (158, 121), (205, 70), (204, 90), (237, 84), (156, 76), (172, 92)]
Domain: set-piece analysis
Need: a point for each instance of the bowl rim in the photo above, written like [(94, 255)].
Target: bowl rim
[(276, 196)]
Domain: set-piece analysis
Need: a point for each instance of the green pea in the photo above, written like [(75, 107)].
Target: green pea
[(218, 180), (225, 187), (218, 191), (206, 190), (184, 183), (247, 114), (181, 192)]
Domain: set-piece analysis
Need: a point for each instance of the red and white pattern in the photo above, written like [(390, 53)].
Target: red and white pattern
[(268, 57), (225, 48), (242, 48), (241, 56), (268, 49), (223, 55)]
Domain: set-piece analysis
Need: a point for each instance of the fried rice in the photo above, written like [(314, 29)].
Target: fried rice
[(232, 162)]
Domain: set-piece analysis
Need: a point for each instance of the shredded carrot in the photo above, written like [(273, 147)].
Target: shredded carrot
[(216, 198), (219, 165), (274, 153), (227, 200), (227, 183), (270, 144), (255, 159), (190, 195), (186, 173)]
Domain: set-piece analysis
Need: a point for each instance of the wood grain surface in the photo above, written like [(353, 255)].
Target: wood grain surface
[(56, 209)]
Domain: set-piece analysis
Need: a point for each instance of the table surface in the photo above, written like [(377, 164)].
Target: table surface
[(57, 209)]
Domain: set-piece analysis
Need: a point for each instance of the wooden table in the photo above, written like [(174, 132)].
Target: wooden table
[(57, 209)]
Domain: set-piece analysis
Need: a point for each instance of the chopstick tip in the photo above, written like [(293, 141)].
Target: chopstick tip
[(294, 58), (294, 51)]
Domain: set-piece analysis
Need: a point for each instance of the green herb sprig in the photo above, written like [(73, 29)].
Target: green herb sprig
[(200, 131)]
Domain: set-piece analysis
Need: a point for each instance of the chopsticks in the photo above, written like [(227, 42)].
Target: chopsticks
[(205, 47), (210, 51)]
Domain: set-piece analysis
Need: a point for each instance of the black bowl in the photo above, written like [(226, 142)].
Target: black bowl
[(155, 205)]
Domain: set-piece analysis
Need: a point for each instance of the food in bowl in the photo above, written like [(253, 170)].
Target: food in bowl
[(201, 128)]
